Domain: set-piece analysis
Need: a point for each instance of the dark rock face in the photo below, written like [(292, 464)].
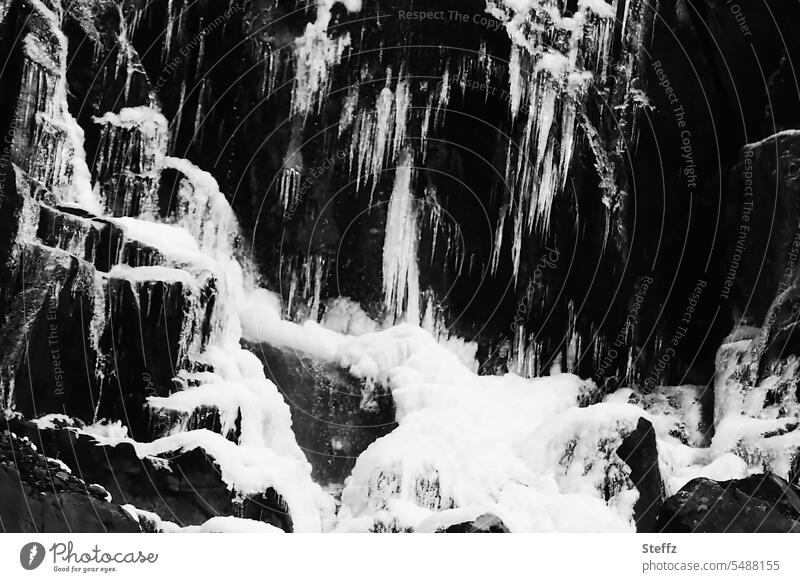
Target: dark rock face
[(334, 415), (765, 196), (184, 487), (267, 507), (147, 323), (39, 496), (638, 450), (93, 348), (757, 504), (47, 362)]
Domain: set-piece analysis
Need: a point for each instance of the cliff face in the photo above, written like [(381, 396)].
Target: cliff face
[(604, 189)]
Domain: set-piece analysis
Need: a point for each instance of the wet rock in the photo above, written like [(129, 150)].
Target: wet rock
[(157, 324), (486, 523), (759, 503), (269, 508), (46, 345), (88, 237), (36, 495), (182, 486), (58, 334), (335, 417), (12, 196), (639, 451), (765, 197)]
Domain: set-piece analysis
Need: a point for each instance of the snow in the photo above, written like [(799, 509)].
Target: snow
[(50, 421), (261, 322), (599, 7), (228, 524), (107, 432), (755, 419), (378, 134), (347, 317), (252, 470), (724, 468), (174, 242), (141, 515), (247, 469), (466, 440), (146, 119), (522, 449), (61, 465), (266, 454), (157, 274), (676, 410), (363, 349), (217, 524), (199, 242)]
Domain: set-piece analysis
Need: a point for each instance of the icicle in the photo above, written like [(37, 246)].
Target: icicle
[(199, 114), (348, 109), (168, 36), (292, 293), (178, 119), (379, 135), (289, 188), (498, 238), (97, 326), (317, 297), (400, 269), (316, 54)]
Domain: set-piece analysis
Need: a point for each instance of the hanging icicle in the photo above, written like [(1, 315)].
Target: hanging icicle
[(400, 265), (560, 54)]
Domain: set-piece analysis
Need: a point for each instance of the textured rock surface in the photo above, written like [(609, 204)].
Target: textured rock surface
[(486, 523), (639, 451), (761, 503), (38, 495), (184, 487), (334, 415)]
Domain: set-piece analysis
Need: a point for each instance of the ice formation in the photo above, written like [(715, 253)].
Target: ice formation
[(400, 271), (316, 53), (756, 418), (527, 450), (572, 68), (559, 57), (43, 121)]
